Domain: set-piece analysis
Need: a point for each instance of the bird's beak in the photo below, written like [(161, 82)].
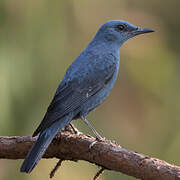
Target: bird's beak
[(142, 31)]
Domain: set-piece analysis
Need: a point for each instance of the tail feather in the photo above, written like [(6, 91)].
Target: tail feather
[(42, 144)]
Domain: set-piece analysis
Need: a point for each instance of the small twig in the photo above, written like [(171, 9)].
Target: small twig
[(56, 168), (99, 173)]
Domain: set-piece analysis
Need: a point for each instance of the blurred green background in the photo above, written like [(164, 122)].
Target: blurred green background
[(40, 39)]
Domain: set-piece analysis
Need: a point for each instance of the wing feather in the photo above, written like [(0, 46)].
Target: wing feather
[(71, 95)]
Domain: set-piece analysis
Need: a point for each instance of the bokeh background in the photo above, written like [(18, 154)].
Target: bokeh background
[(40, 39)]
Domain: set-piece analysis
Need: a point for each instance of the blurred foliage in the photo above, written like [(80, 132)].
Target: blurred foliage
[(40, 39)]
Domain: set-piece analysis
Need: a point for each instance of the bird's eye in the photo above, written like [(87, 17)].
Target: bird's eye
[(120, 27)]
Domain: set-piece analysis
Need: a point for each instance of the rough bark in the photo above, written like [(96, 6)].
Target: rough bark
[(109, 155)]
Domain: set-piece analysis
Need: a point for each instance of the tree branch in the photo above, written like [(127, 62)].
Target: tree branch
[(106, 154)]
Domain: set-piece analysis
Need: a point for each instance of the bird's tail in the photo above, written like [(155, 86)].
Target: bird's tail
[(42, 144)]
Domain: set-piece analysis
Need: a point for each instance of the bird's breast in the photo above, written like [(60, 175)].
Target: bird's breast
[(98, 98)]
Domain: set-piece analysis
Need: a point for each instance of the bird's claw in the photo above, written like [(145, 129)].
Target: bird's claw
[(95, 141), (76, 131), (71, 128), (101, 140)]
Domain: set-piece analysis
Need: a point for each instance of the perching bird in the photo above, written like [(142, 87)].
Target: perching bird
[(86, 84)]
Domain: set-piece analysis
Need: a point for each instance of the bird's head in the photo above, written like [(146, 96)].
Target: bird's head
[(118, 31)]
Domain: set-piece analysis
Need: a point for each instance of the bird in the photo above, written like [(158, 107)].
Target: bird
[(86, 84)]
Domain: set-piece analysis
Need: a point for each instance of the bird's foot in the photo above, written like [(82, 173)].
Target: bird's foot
[(96, 140), (76, 131), (102, 140), (71, 128)]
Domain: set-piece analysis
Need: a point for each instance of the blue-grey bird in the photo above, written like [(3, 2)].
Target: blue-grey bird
[(86, 84)]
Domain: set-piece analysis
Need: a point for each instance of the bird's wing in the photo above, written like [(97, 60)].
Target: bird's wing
[(71, 95)]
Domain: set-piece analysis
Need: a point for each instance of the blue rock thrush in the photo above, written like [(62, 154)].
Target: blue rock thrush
[(86, 84)]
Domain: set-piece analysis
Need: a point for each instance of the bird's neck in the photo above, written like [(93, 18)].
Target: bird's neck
[(102, 45)]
